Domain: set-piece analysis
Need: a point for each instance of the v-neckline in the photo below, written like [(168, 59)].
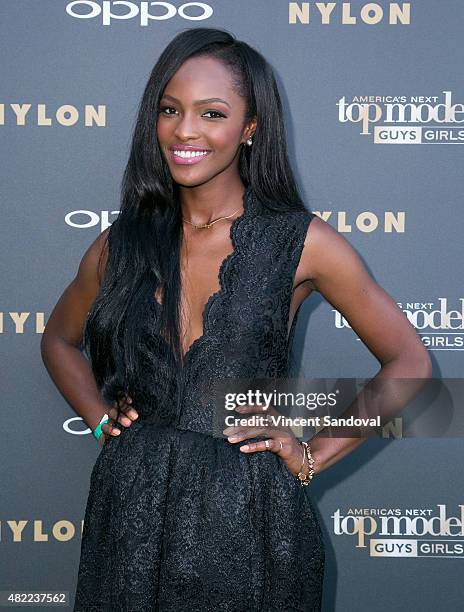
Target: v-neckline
[(224, 266)]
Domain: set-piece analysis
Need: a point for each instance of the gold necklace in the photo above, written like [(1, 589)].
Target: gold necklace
[(208, 225)]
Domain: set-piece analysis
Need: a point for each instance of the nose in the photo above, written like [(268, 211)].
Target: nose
[(186, 128)]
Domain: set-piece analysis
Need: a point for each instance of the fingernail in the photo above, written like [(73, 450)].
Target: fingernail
[(232, 438), (244, 447)]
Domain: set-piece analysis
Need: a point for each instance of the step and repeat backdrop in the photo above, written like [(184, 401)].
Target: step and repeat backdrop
[(374, 105)]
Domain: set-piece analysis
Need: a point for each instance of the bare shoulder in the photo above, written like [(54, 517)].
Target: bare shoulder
[(333, 267), (327, 254), (67, 318), (322, 242)]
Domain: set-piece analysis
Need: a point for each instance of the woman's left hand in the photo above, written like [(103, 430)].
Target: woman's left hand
[(281, 440)]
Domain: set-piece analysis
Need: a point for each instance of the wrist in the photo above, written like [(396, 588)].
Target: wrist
[(306, 473), (317, 453), (97, 432), (294, 463)]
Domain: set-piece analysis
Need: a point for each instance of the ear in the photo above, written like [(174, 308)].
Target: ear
[(250, 129)]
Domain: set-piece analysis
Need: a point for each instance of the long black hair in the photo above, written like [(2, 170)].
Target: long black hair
[(144, 241)]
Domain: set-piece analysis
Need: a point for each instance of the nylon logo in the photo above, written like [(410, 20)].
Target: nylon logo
[(88, 9)]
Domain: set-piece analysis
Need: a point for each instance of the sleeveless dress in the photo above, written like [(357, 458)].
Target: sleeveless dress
[(178, 519)]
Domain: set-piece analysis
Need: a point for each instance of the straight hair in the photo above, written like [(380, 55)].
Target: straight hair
[(144, 241)]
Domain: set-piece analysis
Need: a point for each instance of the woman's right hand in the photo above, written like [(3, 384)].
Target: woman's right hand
[(129, 414)]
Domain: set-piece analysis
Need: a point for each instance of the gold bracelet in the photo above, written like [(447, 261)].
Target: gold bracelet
[(305, 479)]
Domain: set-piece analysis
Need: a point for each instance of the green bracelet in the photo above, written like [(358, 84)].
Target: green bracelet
[(98, 430)]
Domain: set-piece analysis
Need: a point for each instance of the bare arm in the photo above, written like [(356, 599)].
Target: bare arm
[(67, 366), (335, 270)]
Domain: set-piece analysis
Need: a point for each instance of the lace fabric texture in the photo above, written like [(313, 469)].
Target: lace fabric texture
[(178, 519)]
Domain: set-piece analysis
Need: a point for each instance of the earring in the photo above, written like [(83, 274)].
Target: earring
[(249, 142)]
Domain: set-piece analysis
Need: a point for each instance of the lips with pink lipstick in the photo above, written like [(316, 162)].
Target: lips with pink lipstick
[(184, 154)]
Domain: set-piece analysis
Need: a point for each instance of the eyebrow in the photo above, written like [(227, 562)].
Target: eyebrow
[(198, 102)]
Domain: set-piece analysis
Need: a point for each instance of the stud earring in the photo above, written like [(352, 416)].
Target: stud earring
[(249, 142)]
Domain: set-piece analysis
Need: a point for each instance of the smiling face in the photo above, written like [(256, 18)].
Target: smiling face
[(201, 122)]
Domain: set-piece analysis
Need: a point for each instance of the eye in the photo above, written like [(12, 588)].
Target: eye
[(164, 108), (217, 113)]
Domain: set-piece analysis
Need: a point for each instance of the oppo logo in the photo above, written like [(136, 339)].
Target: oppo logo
[(84, 219), (86, 9), (73, 426)]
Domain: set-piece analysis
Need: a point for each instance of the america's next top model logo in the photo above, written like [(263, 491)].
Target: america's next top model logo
[(405, 120)]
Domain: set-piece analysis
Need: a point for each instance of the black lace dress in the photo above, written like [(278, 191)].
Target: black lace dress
[(178, 519)]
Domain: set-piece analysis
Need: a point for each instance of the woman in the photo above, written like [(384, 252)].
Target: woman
[(200, 278)]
